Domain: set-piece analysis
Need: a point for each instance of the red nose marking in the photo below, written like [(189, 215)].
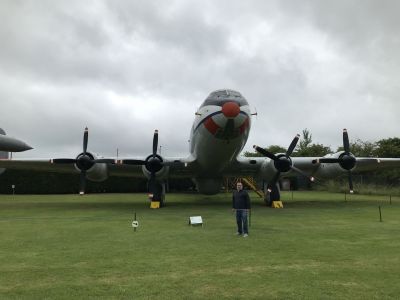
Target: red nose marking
[(230, 109)]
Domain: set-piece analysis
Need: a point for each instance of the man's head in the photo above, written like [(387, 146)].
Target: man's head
[(239, 186)]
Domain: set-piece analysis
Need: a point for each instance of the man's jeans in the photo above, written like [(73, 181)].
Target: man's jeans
[(241, 219)]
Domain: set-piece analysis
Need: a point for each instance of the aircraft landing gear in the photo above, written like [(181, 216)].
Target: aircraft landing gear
[(272, 196), (159, 193)]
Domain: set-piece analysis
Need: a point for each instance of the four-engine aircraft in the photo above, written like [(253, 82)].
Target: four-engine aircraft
[(218, 135)]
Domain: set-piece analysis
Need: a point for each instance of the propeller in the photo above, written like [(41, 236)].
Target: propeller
[(84, 161), (282, 162), (153, 164), (346, 160)]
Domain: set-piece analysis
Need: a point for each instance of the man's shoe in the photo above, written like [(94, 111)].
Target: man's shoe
[(245, 235), (238, 233)]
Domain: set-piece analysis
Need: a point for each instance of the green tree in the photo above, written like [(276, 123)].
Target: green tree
[(388, 147), (314, 150), (362, 148), (305, 141), (307, 148)]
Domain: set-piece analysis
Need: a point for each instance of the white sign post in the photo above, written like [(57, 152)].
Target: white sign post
[(13, 188), (135, 223), (196, 220)]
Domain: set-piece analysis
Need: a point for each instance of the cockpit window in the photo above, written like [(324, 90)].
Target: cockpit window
[(222, 96)]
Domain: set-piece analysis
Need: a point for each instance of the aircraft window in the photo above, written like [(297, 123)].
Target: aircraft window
[(225, 93), (220, 97), (220, 101)]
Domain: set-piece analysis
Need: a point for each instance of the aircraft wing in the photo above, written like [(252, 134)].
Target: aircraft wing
[(261, 167), (35, 165), (177, 167), (246, 166), (362, 164), (365, 164)]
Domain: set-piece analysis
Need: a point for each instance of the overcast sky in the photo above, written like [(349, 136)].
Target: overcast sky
[(125, 68)]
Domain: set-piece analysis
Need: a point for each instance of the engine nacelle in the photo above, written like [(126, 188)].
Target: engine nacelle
[(270, 167), (160, 175), (267, 169), (97, 172)]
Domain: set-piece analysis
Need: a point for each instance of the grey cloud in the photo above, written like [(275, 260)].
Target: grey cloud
[(125, 68)]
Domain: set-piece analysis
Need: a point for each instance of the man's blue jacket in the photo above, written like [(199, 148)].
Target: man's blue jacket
[(240, 200)]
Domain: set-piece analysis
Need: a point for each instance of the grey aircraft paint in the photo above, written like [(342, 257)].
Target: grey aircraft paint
[(10, 144)]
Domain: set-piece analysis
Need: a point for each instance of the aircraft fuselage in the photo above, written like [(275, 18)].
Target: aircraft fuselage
[(218, 135)]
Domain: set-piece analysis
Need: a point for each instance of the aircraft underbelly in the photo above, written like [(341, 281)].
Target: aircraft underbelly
[(213, 155)]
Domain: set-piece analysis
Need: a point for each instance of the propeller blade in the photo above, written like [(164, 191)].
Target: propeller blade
[(85, 140), (350, 182), (137, 162), (346, 143), (311, 178), (82, 182), (63, 161), (104, 161), (265, 152), (292, 145), (155, 143)]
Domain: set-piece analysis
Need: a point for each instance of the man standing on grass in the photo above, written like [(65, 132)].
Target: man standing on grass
[(241, 204)]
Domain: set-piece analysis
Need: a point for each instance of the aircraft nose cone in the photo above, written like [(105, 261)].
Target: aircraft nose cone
[(230, 109)]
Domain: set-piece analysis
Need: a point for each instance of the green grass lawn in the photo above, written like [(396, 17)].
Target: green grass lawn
[(317, 247)]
